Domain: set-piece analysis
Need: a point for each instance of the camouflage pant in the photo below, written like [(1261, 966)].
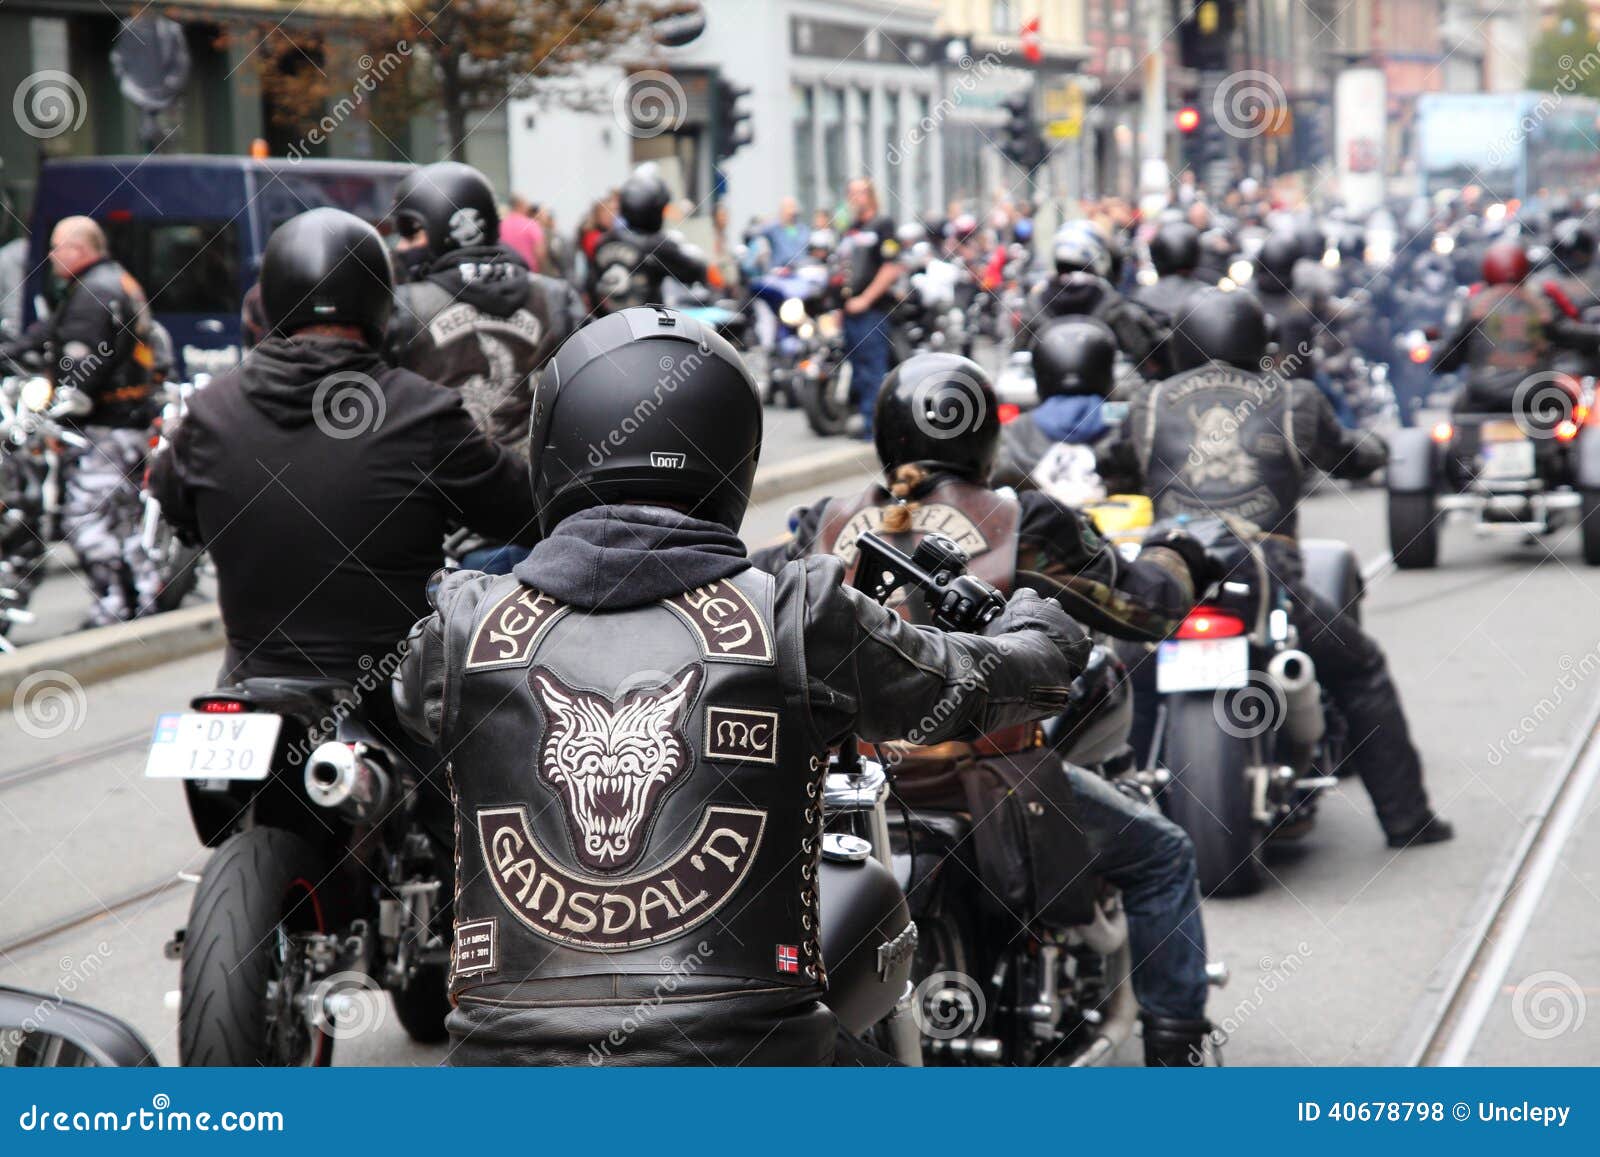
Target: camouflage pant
[(101, 517)]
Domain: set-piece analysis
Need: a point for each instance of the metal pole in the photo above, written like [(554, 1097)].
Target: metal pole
[(1154, 177)]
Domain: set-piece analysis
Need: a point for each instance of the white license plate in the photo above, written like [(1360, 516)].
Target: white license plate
[(196, 746), (1507, 460), (1202, 664)]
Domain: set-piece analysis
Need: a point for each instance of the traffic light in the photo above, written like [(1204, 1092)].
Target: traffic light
[(731, 126), (1204, 29), (1020, 142), (1187, 119)]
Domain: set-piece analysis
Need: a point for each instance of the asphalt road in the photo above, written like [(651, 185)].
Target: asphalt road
[(1336, 962)]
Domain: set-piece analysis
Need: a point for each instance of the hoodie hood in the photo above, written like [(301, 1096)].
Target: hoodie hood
[(281, 375), (490, 278), (1075, 418), (610, 558)]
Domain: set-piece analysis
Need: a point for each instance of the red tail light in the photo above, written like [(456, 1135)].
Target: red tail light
[(1210, 623), (222, 707), (1420, 353), (1008, 412)]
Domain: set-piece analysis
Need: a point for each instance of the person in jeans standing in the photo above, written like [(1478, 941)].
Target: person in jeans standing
[(871, 256)]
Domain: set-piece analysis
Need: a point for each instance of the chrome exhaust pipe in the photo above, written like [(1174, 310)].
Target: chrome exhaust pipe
[(1296, 676), (341, 778)]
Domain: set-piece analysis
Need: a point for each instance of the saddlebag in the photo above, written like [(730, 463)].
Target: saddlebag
[(1033, 856)]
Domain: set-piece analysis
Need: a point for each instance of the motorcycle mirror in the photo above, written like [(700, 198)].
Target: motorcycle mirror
[(42, 1031)]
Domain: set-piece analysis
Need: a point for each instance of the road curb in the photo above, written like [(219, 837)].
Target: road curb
[(106, 652)]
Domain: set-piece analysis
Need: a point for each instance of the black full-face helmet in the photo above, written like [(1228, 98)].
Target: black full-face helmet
[(453, 202), (1175, 248), (645, 406), (1573, 244), (1076, 355), (1229, 327), (938, 410), (1276, 260), (327, 267), (643, 201)]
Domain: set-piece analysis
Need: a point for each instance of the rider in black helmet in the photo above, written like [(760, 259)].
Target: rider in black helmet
[(1080, 287), (473, 317), (637, 255), (321, 480), (621, 828), (1174, 254), (1051, 446), (1222, 439), (938, 437)]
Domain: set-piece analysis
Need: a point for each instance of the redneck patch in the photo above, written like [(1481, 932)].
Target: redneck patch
[(605, 914), (725, 622), (612, 760), (508, 633), (741, 733)]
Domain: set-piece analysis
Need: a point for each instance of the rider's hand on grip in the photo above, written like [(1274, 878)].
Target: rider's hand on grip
[(1027, 612)]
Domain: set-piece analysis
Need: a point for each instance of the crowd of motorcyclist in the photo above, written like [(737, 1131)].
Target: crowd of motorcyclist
[(1242, 337)]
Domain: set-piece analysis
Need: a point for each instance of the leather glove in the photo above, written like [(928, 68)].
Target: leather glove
[(1026, 611), (1203, 568)]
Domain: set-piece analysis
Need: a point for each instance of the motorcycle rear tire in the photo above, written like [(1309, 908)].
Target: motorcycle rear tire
[(256, 881), (827, 416), (1413, 530), (423, 1004), (1590, 528), (1209, 795)]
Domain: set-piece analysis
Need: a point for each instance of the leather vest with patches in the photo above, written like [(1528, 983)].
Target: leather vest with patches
[(641, 797), (1218, 441), (981, 521), (489, 360), (1511, 335)]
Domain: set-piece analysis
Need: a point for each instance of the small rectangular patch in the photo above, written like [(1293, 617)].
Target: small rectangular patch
[(741, 734), (788, 958), (476, 948)]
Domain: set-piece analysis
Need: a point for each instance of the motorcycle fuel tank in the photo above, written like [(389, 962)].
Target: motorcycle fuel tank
[(868, 938)]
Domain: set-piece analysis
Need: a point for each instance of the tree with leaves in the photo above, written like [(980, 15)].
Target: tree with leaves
[(1564, 58)]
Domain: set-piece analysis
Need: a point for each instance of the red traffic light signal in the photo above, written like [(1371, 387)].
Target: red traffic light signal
[(1188, 119)]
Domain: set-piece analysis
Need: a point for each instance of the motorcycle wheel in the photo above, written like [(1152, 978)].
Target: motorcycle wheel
[(827, 405), (1590, 529), (237, 1004), (423, 1004), (180, 572), (1413, 531), (1209, 795)]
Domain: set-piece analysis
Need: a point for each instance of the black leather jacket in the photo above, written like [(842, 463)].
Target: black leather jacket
[(479, 322), (98, 341), (1220, 440), (629, 269), (1139, 335), (624, 645)]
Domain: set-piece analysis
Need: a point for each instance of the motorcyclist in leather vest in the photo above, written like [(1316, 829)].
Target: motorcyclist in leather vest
[(637, 255), (473, 317), (1052, 447), (1222, 439), (937, 434), (1573, 280), (637, 879), (1296, 319), (1079, 287), (1510, 331)]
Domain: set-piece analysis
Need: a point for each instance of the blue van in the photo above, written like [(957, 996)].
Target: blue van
[(192, 229)]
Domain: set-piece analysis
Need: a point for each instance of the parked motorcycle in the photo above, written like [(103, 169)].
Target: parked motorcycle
[(809, 287), (327, 878), (178, 563), (33, 451)]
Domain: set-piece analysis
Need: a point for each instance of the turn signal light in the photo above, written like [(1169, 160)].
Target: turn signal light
[(1210, 623), (222, 707), (1443, 432)]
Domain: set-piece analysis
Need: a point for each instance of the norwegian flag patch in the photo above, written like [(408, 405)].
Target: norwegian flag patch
[(788, 958)]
